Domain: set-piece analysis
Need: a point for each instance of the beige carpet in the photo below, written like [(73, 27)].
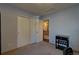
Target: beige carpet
[(41, 48)]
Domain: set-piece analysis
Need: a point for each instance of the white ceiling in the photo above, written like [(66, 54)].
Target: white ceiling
[(42, 8)]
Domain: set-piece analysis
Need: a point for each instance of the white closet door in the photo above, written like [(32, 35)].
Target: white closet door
[(36, 30), (23, 31)]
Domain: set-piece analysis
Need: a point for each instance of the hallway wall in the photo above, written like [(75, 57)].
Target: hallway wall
[(65, 22)]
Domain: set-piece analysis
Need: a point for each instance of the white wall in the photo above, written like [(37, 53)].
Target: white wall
[(65, 22), (9, 26)]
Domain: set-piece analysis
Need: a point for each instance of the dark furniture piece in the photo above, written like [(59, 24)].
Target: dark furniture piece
[(61, 42), (68, 51)]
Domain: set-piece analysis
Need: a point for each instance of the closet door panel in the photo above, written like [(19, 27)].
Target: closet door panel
[(23, 31)]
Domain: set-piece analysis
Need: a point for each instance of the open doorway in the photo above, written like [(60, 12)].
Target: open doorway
[(46, 30)]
